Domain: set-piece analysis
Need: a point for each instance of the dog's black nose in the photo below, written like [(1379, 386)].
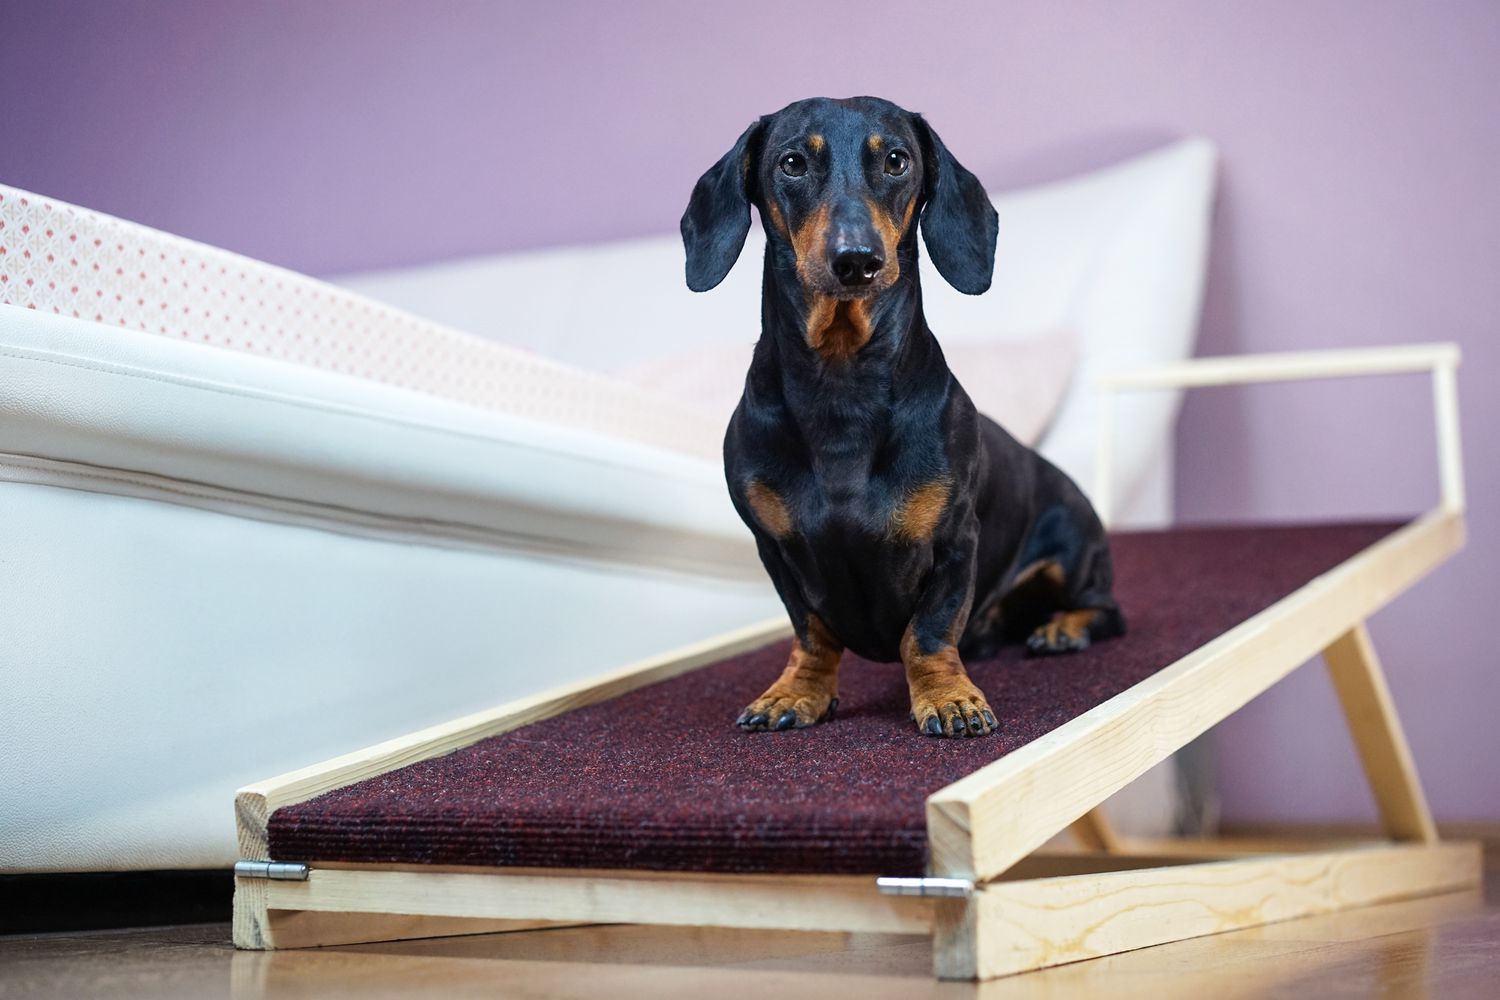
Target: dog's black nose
[(856, 266)]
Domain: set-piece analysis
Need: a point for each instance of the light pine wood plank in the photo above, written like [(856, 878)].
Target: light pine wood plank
[(1449, 443), (313, 929), (1440, 359), (1287, 366), (1207, 848), (1371, 714), (788, 902), (1012, 927), (985, 822), (1102, 493), (251, 924), (1094, 831)]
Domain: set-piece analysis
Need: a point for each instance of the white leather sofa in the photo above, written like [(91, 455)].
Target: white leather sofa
[(249, 520)]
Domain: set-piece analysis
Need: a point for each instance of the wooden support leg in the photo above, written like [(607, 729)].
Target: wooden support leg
[(251, 930), (1377, 733), (1093, 831)]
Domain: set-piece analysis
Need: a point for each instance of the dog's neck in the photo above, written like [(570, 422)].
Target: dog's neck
[(840, 366)]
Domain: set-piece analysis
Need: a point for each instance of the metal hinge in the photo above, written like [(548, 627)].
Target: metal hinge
[(281, 871), (950, 887)]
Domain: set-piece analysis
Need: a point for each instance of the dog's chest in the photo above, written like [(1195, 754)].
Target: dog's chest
[(835, 506), (848, 471), (845, 507)]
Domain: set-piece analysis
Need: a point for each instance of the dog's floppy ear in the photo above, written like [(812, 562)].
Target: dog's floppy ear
[(718, 214), (958, 222)]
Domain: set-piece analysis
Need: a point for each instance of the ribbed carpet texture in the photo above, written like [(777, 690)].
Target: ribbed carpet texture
[(660, 778)]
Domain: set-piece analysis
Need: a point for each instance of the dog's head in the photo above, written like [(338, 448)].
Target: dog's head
[(839, 184)]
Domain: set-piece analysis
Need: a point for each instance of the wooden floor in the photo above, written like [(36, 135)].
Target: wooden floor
[(1446, 946)]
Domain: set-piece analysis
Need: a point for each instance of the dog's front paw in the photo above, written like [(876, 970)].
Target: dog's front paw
[(1067, 632), (779, 709), (952, 706)]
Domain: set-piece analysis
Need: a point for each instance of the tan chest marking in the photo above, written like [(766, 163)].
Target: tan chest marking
[(917, 516), (837, 328), (769, 509)]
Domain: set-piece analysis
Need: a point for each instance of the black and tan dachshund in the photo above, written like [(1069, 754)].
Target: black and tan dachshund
[(894, 519)]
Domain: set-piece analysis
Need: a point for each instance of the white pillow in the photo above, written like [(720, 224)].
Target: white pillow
[(1017, 382)]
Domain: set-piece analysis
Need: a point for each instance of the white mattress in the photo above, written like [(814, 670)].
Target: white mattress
[(67, 261)]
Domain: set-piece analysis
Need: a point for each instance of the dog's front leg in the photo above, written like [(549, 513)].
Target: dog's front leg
[(807, 690), (944, 702)]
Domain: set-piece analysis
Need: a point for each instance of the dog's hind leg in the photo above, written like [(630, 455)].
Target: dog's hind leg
[(1075, 629), (1061, 600)]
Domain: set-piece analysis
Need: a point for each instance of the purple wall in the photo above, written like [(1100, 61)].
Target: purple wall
[(1359, 206)]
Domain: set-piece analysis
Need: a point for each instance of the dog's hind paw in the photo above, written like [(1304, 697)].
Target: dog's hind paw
[(777, 712), (1067, 632)]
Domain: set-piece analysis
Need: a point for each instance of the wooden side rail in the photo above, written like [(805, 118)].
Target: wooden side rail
[(1440, 360)]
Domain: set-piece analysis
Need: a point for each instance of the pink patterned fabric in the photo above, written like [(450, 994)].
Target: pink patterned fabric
[(62, 259)]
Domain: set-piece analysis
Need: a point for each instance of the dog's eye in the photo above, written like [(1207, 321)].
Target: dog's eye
[(794, 164), (897, 162)]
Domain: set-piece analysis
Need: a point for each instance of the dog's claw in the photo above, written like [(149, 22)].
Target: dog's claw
[(957, 713), (753, 721), (776, 712)]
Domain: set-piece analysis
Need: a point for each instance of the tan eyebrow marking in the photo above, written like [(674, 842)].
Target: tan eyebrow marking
[(875, 142), (815, 143)]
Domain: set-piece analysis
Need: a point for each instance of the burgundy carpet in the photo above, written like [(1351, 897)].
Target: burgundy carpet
[(660, 778)]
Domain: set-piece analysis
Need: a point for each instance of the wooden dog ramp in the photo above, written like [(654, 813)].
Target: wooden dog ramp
[(632, 797)]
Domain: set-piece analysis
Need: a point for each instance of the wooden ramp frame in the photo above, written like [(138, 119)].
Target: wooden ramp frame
[(993, 904)]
